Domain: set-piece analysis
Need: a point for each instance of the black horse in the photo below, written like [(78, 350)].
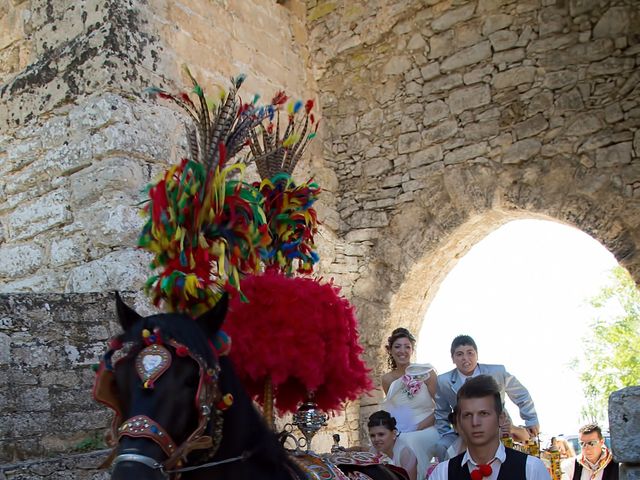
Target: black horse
[(180, 409)]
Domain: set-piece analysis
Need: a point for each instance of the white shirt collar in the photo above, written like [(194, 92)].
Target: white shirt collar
[(501, 455), (463, 377)]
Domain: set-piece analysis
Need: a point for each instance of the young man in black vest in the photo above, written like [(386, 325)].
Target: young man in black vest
[(477, 416), (595, 462)]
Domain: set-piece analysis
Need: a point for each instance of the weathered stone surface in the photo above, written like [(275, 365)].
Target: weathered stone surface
[(624, 424), (409, 142), (442, 84), (513, 77), (468, 98), (503, 40), (440, 132), (126, 268), (468, 56), (521, 151), (496, 22), (397, 65), (530, 127), (426, 156), (616, 21), (578, 7), (619, 154), (451, 17), (434, 112), (559, 79), (584, 124), (19, 260), (47, 212), (465, 153)]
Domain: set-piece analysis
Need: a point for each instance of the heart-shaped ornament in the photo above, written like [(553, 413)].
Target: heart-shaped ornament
[(151, 362)]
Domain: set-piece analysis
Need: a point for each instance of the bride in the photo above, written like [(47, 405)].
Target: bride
[(409, 392)]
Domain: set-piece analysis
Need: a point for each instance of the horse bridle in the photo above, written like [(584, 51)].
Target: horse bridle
[(209, 403)]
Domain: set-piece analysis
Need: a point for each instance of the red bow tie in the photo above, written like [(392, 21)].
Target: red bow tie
[(481, 472)]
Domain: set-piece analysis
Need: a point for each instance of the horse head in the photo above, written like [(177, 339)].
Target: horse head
[(161, 377)]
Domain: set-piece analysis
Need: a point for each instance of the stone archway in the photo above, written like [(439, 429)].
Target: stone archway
[(443, 120), (412, 256)]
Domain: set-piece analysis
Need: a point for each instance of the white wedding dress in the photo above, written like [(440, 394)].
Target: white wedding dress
[(409, 406)]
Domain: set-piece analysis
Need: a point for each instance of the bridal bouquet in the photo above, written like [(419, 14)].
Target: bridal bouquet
[(412, 385)]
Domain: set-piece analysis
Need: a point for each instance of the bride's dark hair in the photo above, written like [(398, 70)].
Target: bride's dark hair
[(382, 419), (395, 335)]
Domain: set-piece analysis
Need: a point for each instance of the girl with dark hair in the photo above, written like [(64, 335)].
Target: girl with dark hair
[(410, 391), (386, 440)]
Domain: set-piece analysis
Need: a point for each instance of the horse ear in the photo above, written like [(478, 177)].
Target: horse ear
[(126, 315), (212, 320)]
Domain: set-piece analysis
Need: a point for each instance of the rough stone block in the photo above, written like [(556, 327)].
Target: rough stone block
[(468, 56), (465, 153), (571, 100), (611, 66), (560, 78), (618, 154), (624, 424), (468, 98), (434, 112), (513, 77), (508, 56), (578, 7), (397, 65), (19, 260), (377, 166), (46, 212), (430, 71), (615, 22), (442, 84), (503, 40), (426, 156), (451, 17), (441, 132), (522, 151), (493, 23), (584, 124), (125, 269), (530, 127), (110, 175), (442, 44), (477, 131), (409, 142)]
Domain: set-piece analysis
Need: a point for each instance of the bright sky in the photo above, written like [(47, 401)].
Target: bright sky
[(522, 293)]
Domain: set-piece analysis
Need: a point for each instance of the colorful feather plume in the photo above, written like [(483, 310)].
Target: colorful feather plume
[(205, 228), (292, 222), (275, 153), (289, 208)]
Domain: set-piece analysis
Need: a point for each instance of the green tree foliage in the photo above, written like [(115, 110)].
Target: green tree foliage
[(611, 354)]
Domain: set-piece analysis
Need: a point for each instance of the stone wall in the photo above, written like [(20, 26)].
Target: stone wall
[(446, 119), (48, 344), (79, 139)]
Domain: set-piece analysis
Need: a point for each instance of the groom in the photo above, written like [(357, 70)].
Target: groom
[(464, 354)]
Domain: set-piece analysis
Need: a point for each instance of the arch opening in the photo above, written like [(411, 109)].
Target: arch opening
[(522, 293)]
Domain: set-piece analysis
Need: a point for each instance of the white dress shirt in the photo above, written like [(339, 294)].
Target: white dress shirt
[(568, 467), (534, 468)]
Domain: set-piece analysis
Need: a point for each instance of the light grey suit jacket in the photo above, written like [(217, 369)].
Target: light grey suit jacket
[(450, 382)]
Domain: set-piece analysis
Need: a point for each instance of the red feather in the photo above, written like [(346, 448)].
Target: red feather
[(301, 333)]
